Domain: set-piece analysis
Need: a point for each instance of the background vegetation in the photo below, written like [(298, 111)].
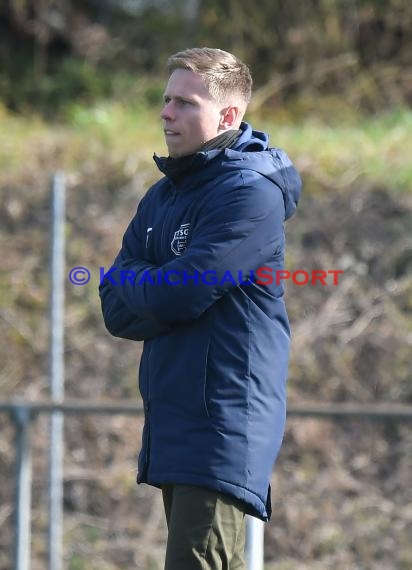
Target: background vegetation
[(80, 89)]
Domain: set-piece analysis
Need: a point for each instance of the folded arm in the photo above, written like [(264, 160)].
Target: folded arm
[(239, 229), (120, 320)]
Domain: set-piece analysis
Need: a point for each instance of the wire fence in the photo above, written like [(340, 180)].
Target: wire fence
[(23, 412), (378, 411)]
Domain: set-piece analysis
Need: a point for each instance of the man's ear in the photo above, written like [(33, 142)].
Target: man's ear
[(229, 118)]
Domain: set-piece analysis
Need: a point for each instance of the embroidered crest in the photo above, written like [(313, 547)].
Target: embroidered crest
[(180, 239)]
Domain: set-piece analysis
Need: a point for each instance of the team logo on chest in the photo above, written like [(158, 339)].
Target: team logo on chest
[(180, 239)]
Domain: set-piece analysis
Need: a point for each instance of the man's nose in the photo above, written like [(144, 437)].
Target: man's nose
[(167, 113)]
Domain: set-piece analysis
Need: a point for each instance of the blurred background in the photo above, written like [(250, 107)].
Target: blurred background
[(81, 85)]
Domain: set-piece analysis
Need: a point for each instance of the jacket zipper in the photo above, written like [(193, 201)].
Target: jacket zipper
[(147, 403), (172, 200)]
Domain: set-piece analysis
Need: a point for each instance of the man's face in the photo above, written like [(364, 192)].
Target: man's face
[(190, 116)]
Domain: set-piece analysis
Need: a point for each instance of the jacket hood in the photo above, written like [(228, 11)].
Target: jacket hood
[(251, 151)]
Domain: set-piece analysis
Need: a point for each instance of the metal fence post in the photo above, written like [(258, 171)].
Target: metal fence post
[(55, 535), (21, 416), (254, 543)]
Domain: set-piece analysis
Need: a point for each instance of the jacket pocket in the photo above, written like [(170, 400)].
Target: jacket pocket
[(205, 377), (143, 380), (178, 371)]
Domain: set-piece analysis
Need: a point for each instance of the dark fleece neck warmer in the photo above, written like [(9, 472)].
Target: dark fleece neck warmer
[(175, 167)]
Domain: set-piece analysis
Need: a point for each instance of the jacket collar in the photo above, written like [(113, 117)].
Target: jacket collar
[(174, 168)]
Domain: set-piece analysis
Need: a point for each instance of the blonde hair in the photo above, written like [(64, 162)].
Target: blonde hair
[(223, 73)]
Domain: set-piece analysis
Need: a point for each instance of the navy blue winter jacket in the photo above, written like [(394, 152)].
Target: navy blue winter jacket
[(214, 364)]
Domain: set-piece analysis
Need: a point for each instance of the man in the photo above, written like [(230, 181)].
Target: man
[(189, 282)]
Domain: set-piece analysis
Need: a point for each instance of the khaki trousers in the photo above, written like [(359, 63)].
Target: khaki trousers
[(206, 529)]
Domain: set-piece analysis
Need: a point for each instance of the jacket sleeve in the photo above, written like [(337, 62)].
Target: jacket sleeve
[(120, 320), (240, 228), (122, 323)]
